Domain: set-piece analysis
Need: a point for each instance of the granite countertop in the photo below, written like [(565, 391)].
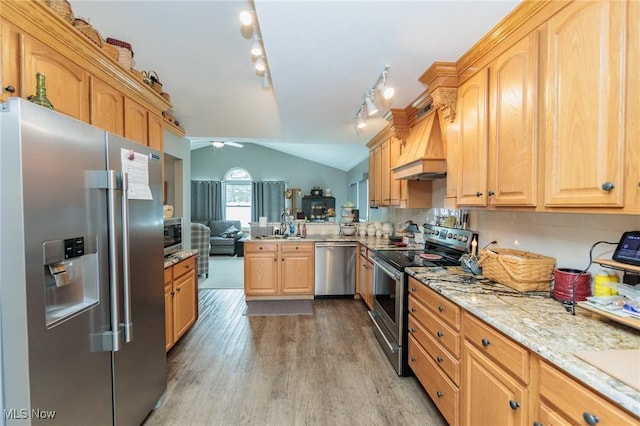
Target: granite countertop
[(374, 243), (541, 324), (176, 257)]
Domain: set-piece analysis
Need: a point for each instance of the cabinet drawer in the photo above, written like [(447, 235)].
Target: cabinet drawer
[(168, 274), (574, 400), (442, 391), (447, 362), (259, 247), (441, 332), (184, 266), (296, 247), (504, 351), (440, 305)]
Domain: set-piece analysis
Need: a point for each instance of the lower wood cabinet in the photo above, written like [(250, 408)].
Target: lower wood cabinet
[(565, 401), (274, 269), (434, 347), (365, 277), (181, 299)]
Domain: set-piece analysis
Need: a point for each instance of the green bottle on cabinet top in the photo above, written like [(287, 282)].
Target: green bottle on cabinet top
[(40, 97)]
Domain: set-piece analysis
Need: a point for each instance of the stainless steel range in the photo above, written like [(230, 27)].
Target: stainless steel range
[(443, 247)]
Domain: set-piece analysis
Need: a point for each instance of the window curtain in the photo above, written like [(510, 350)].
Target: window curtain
[(267, 199), (206, 200)]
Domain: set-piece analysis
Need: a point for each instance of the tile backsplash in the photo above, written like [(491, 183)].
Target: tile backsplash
[(566, 237)]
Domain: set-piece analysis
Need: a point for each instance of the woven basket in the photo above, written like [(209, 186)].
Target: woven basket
[(520, 270), (62, 8), (111, 51), (125, 52), (155, 81), (88, 31)]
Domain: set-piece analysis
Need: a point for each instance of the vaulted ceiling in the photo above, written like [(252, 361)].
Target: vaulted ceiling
[(322, 55)]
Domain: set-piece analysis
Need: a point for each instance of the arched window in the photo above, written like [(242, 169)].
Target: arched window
[(237, 190)]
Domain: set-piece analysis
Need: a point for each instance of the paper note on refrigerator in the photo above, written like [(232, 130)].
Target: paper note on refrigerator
[(136, 166)]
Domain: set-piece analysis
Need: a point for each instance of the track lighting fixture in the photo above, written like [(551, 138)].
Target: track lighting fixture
[(371, 107), (380, 85), (256, 47), (266, 80), (246, 17), (249, 18), (260, 64)]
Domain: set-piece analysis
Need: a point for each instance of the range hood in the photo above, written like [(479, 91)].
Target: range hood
[(424, 154)]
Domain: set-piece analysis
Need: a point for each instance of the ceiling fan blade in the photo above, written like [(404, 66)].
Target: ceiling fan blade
[(237, 145)]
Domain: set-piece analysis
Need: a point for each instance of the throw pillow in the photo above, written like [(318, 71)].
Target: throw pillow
[(229, 232)]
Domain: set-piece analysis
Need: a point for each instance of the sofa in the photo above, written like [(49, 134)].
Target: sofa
[(224, 235), (200, 240)]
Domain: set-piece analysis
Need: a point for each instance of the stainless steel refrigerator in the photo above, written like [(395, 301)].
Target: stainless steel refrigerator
[(81, 272)]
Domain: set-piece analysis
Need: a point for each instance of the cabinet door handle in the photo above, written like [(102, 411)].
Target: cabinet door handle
[(608, 186), (10, 89), (478, 194), (439, 394), (260, 248), (490, 193), (537, 424), (440, 308), (591, 419), (178, 289), (414, 289), (413, 359), (173, 293), (514, 404), (413, 329), (439, 359), (485, 342), (439, 334), (413, 309)]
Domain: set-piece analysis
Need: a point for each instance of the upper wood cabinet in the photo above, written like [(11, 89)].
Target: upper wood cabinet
[(513, 144), (67, 84), (107, 107), (155, 126), (372, 181), (135, 122), (395, 149), (473, 128), (584, 89), (81, 80)]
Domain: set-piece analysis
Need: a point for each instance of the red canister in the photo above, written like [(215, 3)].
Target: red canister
[(571, 284)]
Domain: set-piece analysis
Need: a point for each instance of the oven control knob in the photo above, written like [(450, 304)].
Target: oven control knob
[(464, 239), (450, 235), (459, 237)]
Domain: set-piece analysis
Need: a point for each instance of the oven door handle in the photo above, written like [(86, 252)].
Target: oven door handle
[(392, 348), (396, 275)]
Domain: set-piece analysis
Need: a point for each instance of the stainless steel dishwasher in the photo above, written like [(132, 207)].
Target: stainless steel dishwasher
[(335, 268)]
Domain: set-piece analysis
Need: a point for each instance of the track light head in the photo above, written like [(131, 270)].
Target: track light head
[(360, 123), (385, 90), (266, 81), (260, 64), (256, 47), (371, 107), (246, 17)]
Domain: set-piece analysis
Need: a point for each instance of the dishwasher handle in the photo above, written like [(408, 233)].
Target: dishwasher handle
[(337, 244)]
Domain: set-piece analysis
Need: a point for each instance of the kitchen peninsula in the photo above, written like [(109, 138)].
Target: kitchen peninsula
[(534, 335)]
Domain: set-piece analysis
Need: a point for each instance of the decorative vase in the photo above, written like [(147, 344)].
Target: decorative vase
[(40, 97)]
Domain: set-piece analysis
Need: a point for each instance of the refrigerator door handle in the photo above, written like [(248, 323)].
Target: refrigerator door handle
[(127, 326), (111, 186)]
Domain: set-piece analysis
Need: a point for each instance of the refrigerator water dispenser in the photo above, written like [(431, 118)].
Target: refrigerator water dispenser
[(70, 278)]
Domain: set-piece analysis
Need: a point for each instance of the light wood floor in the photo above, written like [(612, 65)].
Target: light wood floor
[(322, 369)]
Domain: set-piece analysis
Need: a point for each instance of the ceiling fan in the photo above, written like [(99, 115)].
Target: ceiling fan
[(220, 144)]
